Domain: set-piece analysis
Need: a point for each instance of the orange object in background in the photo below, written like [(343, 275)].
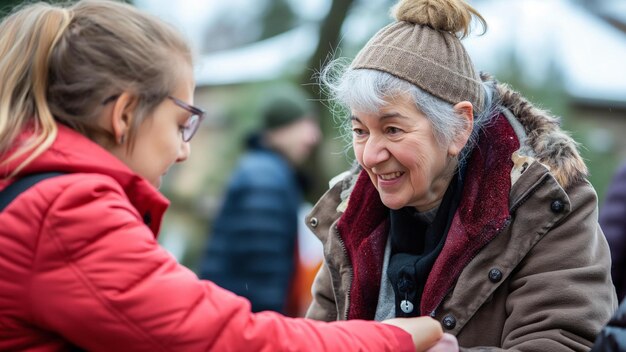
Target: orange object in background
[(300, 292), (307, 261)]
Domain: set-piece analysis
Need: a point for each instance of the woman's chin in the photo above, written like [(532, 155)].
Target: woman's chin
[(157, 183), (394, 204)]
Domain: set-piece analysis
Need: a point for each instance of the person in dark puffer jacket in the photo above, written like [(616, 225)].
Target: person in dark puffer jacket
[(253, 244)]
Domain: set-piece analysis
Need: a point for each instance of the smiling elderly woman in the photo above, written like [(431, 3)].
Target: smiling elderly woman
[(468, 204)]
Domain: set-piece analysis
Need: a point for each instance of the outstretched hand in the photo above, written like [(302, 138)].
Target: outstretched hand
[(425, 331), (448, 343)]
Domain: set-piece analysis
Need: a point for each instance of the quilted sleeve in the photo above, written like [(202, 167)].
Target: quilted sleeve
[(102, 282)]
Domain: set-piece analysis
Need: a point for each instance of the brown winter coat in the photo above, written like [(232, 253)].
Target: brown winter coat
[(525, 265)]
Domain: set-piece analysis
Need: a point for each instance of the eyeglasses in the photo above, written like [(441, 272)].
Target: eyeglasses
[(193, 123)]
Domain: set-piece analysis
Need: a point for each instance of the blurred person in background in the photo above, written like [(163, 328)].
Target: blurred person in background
[(252, 249), (612, 338), (613, 223), (467, 204), (95, 107)]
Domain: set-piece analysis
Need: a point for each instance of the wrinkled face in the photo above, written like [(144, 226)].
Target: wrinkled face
[(297, 139), (397, 148), (158, 142)]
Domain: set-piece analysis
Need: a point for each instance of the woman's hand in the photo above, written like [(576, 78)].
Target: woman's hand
[(448, 343), (425, 331)]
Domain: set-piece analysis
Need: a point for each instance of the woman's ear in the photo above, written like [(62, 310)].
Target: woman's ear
[(122, 116), (465, 111)]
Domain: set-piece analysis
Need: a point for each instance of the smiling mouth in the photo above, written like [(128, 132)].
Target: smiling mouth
[(391, 176)]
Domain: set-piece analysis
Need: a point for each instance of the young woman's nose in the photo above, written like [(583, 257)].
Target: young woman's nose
[(183, 152)]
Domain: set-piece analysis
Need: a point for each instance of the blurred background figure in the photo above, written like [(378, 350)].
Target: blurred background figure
[(613, 223), (252, 250)]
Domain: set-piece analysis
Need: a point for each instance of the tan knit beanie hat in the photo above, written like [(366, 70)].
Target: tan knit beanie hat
[(423, 47)]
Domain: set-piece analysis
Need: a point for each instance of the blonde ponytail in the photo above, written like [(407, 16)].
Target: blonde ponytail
[(27, 39), (57, 65)]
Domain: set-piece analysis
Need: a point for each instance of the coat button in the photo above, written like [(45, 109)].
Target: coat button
[(313, 222), (557, 206), (406, 306), (449, 322), (495, 275)]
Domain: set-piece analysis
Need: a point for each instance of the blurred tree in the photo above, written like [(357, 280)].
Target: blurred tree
[(330, 31)]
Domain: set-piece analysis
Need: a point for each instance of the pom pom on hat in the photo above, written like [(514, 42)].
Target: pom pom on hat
[(423, 48), (453, 16)]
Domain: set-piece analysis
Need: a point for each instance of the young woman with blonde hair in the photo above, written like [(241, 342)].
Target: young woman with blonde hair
[(95, 105)]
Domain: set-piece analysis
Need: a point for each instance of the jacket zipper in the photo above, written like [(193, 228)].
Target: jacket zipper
[(345, 253)]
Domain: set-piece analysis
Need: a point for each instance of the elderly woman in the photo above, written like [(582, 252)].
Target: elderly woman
[(468, 204)]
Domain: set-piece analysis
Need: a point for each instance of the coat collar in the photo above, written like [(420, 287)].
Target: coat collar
[(72, 152), (546, 142)]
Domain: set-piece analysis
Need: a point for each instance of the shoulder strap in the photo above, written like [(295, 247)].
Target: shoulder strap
[(16, 188)]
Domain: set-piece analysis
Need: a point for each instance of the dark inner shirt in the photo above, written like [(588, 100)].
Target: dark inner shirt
[(416, 241)]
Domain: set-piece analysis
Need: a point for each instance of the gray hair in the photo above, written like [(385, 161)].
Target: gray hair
[(369, 90)]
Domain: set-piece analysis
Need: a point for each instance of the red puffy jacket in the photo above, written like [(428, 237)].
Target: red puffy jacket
[(79, 266)]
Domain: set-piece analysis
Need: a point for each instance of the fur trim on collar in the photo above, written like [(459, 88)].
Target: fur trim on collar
[(546, 142)]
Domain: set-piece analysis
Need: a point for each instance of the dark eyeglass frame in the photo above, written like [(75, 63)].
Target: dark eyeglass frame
[(193, 123)]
